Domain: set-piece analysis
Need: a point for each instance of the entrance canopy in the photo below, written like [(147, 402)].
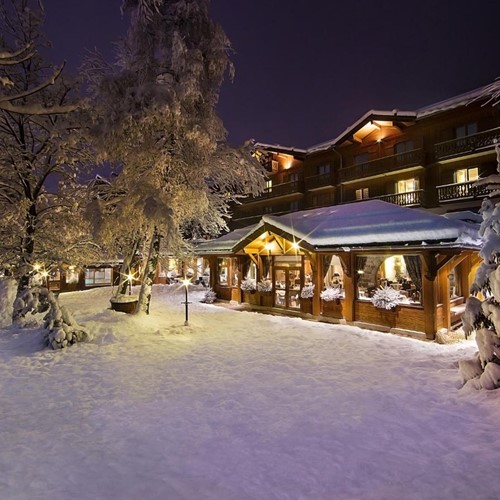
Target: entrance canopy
[(372, 223)]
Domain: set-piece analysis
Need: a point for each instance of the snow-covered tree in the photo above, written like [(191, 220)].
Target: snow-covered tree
[(482, 313), (156, 118), (41, 151)]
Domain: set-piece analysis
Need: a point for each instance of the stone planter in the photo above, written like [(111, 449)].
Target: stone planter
[(126, 303), (332, 308)]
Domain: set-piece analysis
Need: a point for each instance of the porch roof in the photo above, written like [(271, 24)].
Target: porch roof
[(372, 223), (227, 243)]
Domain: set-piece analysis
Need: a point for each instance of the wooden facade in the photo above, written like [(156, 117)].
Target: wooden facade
[(428, 158), (432, 294)]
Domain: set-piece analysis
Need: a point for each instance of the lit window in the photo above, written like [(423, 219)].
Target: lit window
[(100, 276), (466, 175), (407, 185), (362, 194), (269, 185)]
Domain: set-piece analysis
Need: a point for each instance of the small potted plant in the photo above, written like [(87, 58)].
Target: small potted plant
[(330, 301), (386, 298), (265, 289)]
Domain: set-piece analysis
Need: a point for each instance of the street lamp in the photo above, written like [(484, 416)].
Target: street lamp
[(186, 282), (130, 278)]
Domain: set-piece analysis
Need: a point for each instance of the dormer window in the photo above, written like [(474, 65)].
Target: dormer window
[(361, 158), (323, 169), (465, 130)]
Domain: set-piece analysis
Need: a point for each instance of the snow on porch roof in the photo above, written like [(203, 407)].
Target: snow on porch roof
[(226, 243), (372, 222), (366, 223)]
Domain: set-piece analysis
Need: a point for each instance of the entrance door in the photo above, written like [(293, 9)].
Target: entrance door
[(287, 287)]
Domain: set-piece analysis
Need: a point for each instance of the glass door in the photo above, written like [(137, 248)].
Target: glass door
[(287, 288)]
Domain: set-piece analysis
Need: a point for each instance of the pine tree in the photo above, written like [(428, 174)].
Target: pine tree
[(482, 314), (156, 118)]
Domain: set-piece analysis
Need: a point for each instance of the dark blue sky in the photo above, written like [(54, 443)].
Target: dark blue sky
[(307, 69)]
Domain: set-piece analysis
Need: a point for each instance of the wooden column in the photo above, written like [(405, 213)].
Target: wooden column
[(317, 270), (444, 294), (429, 294), (349, 285)]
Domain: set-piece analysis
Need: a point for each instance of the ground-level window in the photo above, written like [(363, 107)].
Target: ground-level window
[(333, 274), (98, 276), (227, 271), (71, 275), (466, 175), (401, 272)]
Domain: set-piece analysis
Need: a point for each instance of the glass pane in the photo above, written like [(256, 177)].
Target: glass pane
[(473, 174), (294, 279), (461, 176)]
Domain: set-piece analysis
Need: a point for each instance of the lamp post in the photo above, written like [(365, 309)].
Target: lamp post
[(185, 282), (130, 278)]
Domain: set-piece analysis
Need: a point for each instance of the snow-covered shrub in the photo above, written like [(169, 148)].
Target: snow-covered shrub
[(210, 296), (248, 285), (62, 329), (386, 298), (265, 286), (332, 293), (307, 292), (483, 316)]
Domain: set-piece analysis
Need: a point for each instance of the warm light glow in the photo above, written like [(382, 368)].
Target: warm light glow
[(186, 282), (130, 277), (37, 267), (44, 274), (295, 245), (268, 246)]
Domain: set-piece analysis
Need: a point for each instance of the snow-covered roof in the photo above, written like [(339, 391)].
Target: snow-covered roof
[(372, 222), (226, 243), (394, 115), (453, 102), (366, 223)]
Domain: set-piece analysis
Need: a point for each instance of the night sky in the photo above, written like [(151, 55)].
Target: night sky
[(307, 69)]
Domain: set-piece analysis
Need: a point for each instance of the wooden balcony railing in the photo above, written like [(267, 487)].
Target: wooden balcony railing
[(464, 190), (410, 198), (382, 165), (276, 190), (317, 181), (241, 213), (466, 145)]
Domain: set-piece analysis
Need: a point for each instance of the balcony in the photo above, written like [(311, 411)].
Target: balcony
[(241, 213), (462, 191), (411, 198), (382, 165), (283, 189), (481, 141), (318, 181)]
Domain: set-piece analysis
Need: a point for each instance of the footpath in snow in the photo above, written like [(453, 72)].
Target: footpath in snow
[(239, 406)]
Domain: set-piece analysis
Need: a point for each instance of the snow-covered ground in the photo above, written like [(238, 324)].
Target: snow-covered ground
[(238, 406)]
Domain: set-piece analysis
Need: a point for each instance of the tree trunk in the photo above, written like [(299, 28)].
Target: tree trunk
[(149, 273), (25, 269), (127, 266)]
